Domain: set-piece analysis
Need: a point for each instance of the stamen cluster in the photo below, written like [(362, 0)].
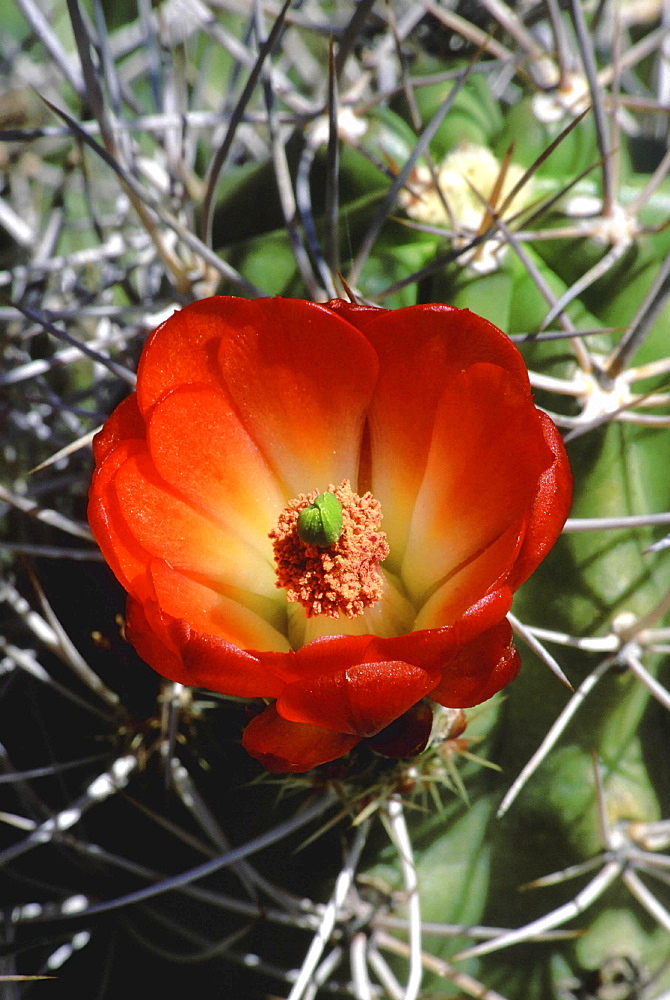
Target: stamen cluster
[(342, 578)]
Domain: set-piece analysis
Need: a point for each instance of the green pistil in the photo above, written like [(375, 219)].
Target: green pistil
[(321, 523)]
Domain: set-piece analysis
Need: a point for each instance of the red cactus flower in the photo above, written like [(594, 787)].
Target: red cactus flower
[(431, 488)]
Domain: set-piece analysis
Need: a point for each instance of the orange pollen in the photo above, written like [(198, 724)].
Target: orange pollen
[(343, 578)]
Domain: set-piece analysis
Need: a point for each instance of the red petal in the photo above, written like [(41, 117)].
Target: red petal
[(214, 612), (486, 614), (550, 508), (283, 746), (426, 648), (218, 665), (421, 350), (435, 336), (124, 423), (486, 456), (148, 631), (359, 700), (125, 556), (358, 316), (299, 376), (327, 654), (182, 350), (454, 598), (483, 667), (407, 736), (179, 653), (301, 379), (200, 448), (171, 529)]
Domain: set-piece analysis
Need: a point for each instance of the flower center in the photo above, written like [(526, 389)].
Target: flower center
[(330, 569)]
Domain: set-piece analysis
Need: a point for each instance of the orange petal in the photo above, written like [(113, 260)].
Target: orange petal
[(452, 599), (167, 527), (360, 700), (284, 746), (200, 448), (210, 611), (486, 456), (179, 653), (550, 508), (182, 350), (420, 351), (123, 553), (125, 423), (483, 667), (301, 379)]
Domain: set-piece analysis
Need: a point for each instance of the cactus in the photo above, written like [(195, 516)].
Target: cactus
[(511, 160)]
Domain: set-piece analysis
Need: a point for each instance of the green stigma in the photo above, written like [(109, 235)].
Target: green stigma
[(321, 523)]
